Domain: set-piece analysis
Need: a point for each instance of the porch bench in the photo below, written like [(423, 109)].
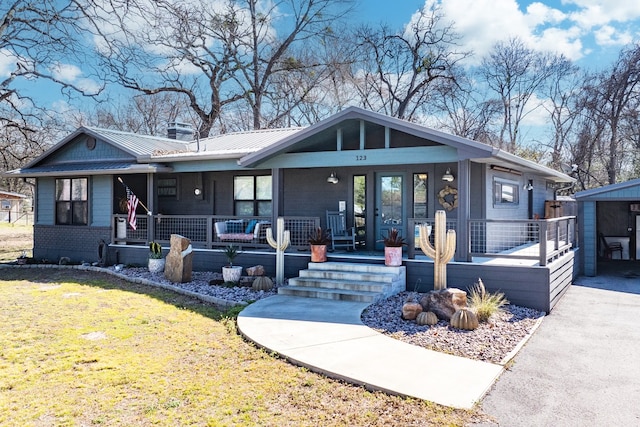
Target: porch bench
[(252, 231)]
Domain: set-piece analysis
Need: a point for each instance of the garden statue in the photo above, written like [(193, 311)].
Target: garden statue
[(443, 249), (280, 244)]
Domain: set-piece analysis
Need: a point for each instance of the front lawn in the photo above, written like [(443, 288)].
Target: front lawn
[(81, 348)]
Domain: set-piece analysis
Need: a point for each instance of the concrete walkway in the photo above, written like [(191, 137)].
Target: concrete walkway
[(582, 366), (328, 337)]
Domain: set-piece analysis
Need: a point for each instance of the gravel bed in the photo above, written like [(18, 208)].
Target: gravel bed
[(200, 285), (490, 342)]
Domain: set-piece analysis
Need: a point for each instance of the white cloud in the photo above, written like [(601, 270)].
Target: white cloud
[(72, 74), (65, 72), (608, 35), (595, 13), (569, 27), (7, 63)]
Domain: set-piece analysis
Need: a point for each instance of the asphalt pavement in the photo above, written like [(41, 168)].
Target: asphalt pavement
[(582, 366)]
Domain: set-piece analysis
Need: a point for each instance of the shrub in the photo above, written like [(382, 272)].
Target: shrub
[(319, 237), (484, 303), (393, 239)]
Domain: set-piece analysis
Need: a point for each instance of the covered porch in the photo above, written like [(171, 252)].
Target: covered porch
[(532, 262)]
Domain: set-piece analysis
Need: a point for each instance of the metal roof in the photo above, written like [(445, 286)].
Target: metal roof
[(229, 145), (138, 145), (595, 192), (95, 168)]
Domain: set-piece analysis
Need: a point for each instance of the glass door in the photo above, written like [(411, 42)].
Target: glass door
[(390, 205)]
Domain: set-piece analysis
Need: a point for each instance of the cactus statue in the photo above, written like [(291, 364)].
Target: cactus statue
[(279, 244), (442, 251), (464, 319)]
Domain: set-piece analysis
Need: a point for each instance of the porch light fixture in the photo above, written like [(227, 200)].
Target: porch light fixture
[(448, 176), (528, 186), (333, 179)]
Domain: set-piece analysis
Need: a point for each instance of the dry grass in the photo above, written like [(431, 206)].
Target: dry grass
[(14, 239), (88, 349)]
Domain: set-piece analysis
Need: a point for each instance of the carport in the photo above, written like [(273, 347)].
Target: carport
[(608, 216)]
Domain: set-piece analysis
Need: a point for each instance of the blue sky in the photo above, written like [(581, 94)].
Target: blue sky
[(590, 32)]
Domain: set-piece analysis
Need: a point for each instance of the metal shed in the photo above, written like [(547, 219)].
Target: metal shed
[(607, 217)]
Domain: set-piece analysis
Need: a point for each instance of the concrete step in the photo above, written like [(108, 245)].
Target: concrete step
[(352, 285), (347, 281), (357, 267), (349, 276), (334, 294)]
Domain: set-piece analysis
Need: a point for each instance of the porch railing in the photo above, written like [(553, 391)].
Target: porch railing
[(209, 231), (541, 240)]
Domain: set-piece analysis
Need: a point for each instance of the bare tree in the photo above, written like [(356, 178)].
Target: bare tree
[(39, 40), (398, 69), (613, 101), (516, 73), (144, 114), (563, 105), (466, 112), (217, 57)]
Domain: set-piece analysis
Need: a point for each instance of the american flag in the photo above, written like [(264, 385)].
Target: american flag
[(132, 205)]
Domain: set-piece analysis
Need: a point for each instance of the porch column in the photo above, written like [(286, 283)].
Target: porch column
[(464, 206), (151, 200), (277, 190)]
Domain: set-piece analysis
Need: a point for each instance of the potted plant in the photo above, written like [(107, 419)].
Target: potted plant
[(318, 240), (393, 244), (156, 261), (230, 272), (22, 259)]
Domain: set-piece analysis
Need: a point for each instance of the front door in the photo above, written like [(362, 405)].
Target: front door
[(390, 205)]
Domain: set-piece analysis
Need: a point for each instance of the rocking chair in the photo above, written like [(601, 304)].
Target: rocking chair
[(341, 237)]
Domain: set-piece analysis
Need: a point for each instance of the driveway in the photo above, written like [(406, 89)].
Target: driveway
[(582, 366)]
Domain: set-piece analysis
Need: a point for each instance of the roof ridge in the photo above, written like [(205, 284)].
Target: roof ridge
[(139, 135)]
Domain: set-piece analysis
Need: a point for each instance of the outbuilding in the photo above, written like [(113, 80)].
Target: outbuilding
[(609, 224)]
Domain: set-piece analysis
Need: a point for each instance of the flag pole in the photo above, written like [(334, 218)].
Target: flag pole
[(139, 201)]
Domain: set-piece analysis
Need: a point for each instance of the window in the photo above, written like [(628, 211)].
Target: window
[(419, 195), (71, 201), (252, 195), (505, 192), (167, 187), (359, 206)]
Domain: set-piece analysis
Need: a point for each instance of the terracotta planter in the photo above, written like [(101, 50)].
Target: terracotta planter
[(393, 256), (318, 253), (232, 274), (156, 265)]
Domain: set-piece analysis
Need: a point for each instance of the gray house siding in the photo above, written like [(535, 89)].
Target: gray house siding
[(79, 151), (45, 205), (101, 196), (588, 237)]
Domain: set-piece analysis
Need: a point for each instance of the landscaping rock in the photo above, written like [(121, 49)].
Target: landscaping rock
[(256, 270), (444, 302), (179, 263)]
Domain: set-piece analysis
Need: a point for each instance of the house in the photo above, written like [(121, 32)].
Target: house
[(11, 206), (610, 224), (381, 171)]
